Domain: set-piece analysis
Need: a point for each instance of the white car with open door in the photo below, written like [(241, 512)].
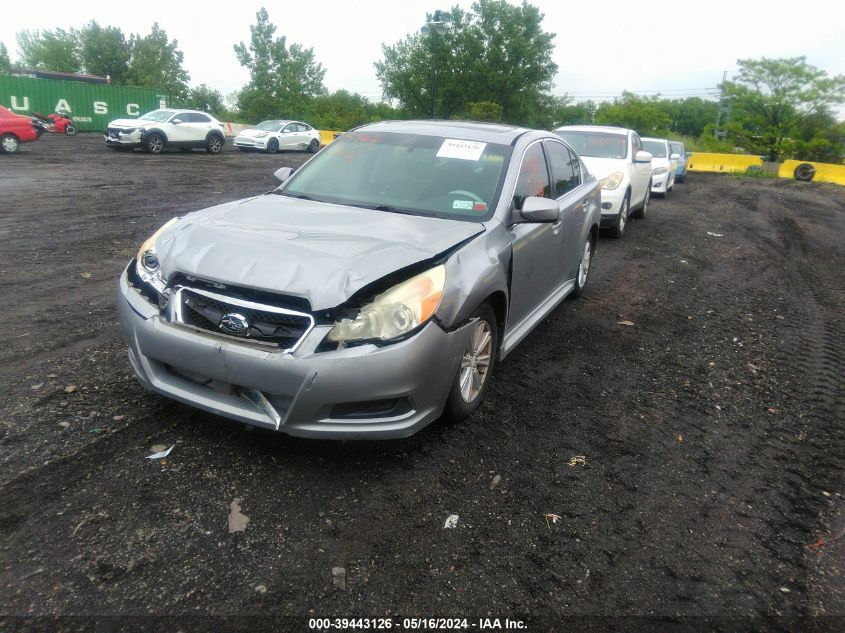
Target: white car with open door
[(664, 165), (272, 136), (616, 157)]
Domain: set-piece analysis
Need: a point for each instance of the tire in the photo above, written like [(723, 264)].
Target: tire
[(680, 179), (154, 143), (466, 394), (583, 274), (618, 229), (70, 130), (313, 146), (9, 144), (214, 144), (640, 213), (804, 172), (272, 146)]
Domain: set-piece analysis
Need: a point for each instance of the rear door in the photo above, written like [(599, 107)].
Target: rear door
[(641, 179), (572, 201), (538, 263)]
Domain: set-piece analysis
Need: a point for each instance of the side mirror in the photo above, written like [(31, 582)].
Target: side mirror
[(643, 157), (282, 174), (536, 209), (176, 121), (675, 157)]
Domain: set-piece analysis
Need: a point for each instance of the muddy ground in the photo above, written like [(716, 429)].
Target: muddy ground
[(688, 466)]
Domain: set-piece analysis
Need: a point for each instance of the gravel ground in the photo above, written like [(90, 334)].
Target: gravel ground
[(686, 470)]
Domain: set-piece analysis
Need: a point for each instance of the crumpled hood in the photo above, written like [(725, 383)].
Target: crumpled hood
[(252, 133), (129, 123), (322, 252), (603, 167)]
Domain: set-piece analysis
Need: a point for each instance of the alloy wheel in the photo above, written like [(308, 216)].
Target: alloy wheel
[(9, 144), (584, 268), (475, 364)]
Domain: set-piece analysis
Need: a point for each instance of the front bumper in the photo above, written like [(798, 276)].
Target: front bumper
[(305, 389), (253, 143), (660, 183), (131, 139)]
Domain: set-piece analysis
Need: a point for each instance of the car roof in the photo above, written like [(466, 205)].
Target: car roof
[(470, 130), (594, 128), (651, 138)]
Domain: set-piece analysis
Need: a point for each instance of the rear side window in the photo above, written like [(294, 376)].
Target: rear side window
[(194, 117), (677, 148), (533, 176), (636, 145), (565, 174)]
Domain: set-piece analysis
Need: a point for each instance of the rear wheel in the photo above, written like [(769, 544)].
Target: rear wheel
[(70, 130), (9, 143), (640, 213), (313, 146), (476, 370), (214, 145), (583, 268)]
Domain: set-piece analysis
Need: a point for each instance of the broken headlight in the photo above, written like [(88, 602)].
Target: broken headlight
[(395, 312), (147, 264)]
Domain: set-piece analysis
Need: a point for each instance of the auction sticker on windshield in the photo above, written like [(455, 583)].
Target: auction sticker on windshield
[(463, 150)]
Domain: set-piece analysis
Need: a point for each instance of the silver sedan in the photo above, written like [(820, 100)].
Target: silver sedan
[(374, 289)]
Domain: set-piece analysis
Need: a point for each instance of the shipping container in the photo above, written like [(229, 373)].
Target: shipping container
[(92, 106)]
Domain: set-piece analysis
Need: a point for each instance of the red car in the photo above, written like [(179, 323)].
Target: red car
[(14, 130)]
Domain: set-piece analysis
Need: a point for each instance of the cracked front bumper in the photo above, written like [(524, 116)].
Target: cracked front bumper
[(305, 389)]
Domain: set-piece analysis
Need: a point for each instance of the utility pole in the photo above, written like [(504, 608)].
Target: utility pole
[(724, 109)]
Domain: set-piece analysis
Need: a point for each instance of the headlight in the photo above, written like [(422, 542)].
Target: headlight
[(147, 264), (395, 312), (262, 135), (658, 171), (612, 181)]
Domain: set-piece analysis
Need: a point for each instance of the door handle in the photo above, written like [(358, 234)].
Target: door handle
[(585, 204)]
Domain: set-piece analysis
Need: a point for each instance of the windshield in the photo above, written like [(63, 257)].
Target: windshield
[(159, 116), (655, 148), (596, 144), (677, 148), (269, 126), (405, 173)]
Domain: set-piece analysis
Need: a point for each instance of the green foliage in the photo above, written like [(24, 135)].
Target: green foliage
[(50, 50), (104, 52), (562, 111), (772, 97), (5, 62), (496, 53), (283, 79), (343, 110), (207, 99), (156, 62), (644, 114), (689, 116), (483, 111)]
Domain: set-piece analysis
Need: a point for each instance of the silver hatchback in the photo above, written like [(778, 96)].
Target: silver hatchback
[(374, 289)]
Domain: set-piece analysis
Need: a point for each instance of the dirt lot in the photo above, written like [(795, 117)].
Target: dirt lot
[(712, 431)]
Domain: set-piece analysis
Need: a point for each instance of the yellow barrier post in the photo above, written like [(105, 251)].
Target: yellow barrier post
[(811, 170), (725, 163)]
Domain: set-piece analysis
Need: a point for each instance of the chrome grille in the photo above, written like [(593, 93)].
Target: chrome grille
[(261, 322)]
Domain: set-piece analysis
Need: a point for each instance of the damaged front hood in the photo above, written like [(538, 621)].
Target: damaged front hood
[(315, 250), (129, 123)]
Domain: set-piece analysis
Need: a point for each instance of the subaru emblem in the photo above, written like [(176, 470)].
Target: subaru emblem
[(234, 324)]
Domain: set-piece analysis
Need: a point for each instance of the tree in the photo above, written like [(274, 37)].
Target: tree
[(283, 79), (689, 116), (156, 62), (104, 51), (206, 99), (644, 114), (771, 97), (563, 111), (50, 50), (5, 63), (495, 52)]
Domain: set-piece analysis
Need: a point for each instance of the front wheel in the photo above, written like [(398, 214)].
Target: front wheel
[(622, 221), (214, 145), (583, 268), (313, 146), (154, 144), (272, 146), (640, 213), (9, 143), (476, 371)]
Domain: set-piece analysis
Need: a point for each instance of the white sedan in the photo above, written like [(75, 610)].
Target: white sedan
[(664, 165), (271, 136)]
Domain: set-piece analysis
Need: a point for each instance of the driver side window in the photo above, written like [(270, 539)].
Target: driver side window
[(533, 177)]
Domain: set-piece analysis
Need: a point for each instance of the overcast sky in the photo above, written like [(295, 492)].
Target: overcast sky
[(602, 46)]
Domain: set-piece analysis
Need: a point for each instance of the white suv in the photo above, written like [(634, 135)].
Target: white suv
[(159, 129), (615, 156)]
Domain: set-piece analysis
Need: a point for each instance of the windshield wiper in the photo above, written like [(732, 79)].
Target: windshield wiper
[(380, 207), (298, 196)]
